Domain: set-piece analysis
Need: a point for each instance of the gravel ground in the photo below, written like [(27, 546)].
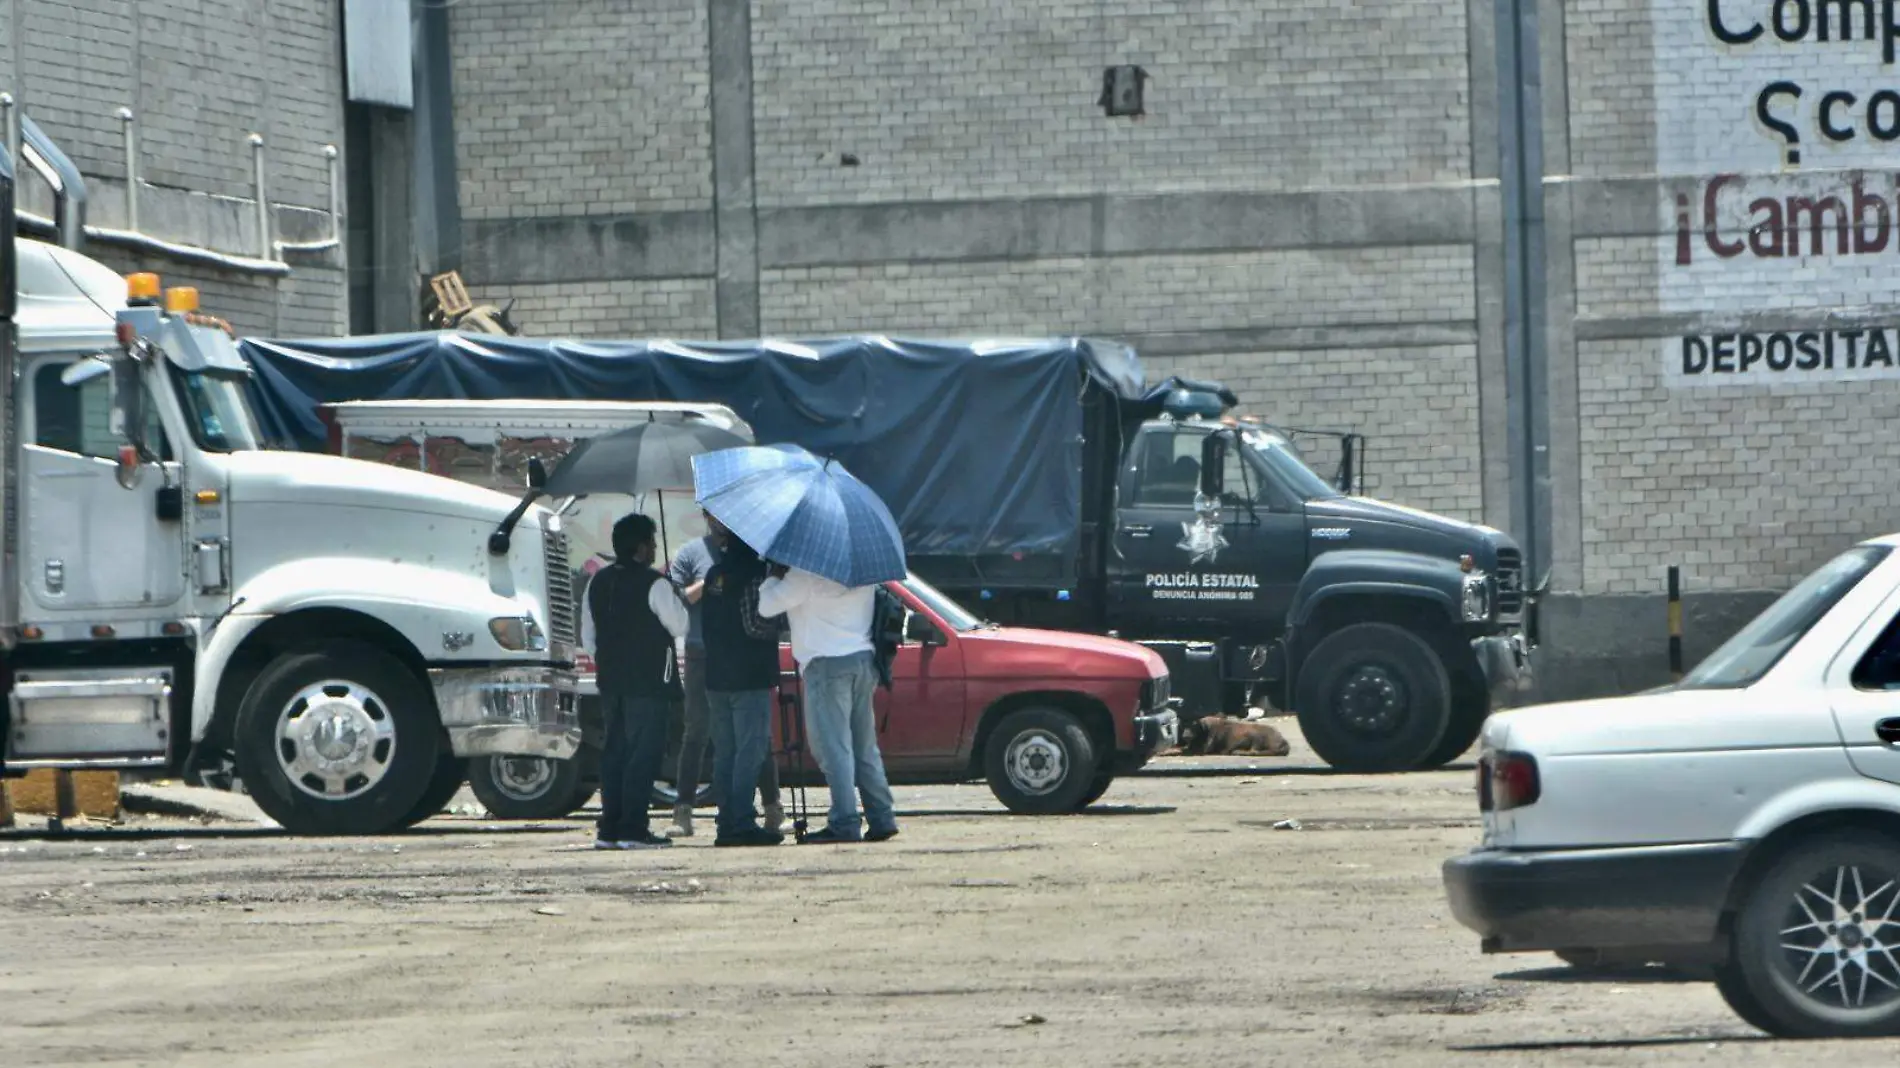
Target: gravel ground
[(1170, 925)]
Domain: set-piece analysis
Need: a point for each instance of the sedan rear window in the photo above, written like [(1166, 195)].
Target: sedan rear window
[(1759, 646)]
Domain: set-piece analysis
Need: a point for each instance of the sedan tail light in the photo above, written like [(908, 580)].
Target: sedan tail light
[(1507, 781)]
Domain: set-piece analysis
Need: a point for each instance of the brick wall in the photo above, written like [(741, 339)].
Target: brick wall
[(581, 107), (201, 77), (679, 308), (969, 98)]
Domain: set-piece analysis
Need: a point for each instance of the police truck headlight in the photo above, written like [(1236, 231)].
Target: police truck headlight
[(1477, 598), (517, 633)]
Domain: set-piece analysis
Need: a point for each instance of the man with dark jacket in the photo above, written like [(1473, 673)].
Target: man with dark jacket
[(742, 668), (691, 567), (637, 616)]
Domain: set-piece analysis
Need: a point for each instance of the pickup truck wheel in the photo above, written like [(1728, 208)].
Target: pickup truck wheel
[(527, 788), (340, 738), (1816, 943), (1040, 761), (1373, 697), (1096, 789), (450, 772)]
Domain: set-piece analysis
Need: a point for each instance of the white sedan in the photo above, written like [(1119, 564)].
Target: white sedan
[(1746, 819)]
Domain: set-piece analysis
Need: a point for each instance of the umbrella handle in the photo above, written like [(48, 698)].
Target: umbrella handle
[(665, 552)]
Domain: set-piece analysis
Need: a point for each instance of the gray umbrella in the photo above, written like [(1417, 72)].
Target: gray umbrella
[(640, 459)]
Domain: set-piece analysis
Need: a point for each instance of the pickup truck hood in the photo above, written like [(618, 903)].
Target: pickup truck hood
[(318, 481), (1009, 651), (1664, 721)]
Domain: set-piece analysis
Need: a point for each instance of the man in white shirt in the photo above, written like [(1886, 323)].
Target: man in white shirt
[(831, 640)]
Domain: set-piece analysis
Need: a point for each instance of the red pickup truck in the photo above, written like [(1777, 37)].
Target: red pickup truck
[(1048, 718)]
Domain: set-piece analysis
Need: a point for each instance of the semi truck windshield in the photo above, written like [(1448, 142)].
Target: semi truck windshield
[(220, 416)]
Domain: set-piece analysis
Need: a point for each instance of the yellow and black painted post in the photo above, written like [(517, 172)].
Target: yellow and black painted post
[(1675, 622)]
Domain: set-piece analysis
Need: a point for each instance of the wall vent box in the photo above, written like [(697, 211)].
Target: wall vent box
[(1122, 91)]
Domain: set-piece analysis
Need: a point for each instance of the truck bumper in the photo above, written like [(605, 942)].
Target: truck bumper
[(1158, 730), (509, 711), (1646, 896), (1506, 662)]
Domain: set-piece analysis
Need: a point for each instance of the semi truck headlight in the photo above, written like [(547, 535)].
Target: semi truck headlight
[(517, 633), (1477, 598)]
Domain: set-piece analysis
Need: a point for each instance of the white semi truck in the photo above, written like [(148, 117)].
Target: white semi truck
[(338, 636)]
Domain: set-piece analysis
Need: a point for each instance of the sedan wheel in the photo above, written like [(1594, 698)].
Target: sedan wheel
[(1817, 942)]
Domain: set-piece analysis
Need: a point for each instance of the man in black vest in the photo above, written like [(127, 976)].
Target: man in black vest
[(637, 617)]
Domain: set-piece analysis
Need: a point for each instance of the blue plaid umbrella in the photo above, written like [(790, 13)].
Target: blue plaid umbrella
[(801, 511)]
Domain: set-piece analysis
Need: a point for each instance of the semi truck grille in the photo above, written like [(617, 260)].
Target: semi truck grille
[(561, 607), (1510, 582)]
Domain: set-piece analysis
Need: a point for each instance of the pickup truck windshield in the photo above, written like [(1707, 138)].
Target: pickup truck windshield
[(955, 615), (219, 413), (1757, 647), (1278, 456)]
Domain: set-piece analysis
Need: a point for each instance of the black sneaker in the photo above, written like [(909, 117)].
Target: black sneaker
[(646, 841), (827, 836), (884, 835), (757, 836)]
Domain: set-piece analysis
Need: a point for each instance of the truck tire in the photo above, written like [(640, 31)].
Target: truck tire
[(1040, 762), (1470, 706), (1103, 779), (450, 772), (1373, 698), (338, 738), (528, 788)]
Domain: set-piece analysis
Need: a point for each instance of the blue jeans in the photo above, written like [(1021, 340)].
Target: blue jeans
[(635, 749), (843, 734), (740, 722)]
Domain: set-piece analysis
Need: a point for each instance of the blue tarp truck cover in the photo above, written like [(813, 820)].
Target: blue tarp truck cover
[(975, 445)]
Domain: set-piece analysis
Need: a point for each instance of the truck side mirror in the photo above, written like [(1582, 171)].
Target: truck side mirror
[(1348, 478), (1213, 465), (82, 371), (128, 418), (537, 474), (919, 630)]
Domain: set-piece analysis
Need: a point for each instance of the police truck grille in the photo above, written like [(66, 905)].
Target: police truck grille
[(1510, 582), (560, 589)]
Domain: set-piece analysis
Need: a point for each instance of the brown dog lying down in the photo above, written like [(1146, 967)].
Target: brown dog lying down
[(1217, 735)]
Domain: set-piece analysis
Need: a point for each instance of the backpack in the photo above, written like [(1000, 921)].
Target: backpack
[(761, 628), (887, 632)]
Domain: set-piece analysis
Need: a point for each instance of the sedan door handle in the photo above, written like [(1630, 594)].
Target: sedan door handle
[(1888, 731), (1138, 531)]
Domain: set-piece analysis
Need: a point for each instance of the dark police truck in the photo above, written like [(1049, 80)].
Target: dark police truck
[(1045, 483)]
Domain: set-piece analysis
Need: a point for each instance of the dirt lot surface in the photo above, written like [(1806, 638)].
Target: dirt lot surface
[(1172, 925)]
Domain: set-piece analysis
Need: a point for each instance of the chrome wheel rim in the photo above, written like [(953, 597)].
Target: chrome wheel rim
[(1035, 762), (1840, 940), (335, 740)]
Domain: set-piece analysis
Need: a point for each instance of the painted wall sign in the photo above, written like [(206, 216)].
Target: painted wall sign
[(1782, 118), (1807, 83)]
